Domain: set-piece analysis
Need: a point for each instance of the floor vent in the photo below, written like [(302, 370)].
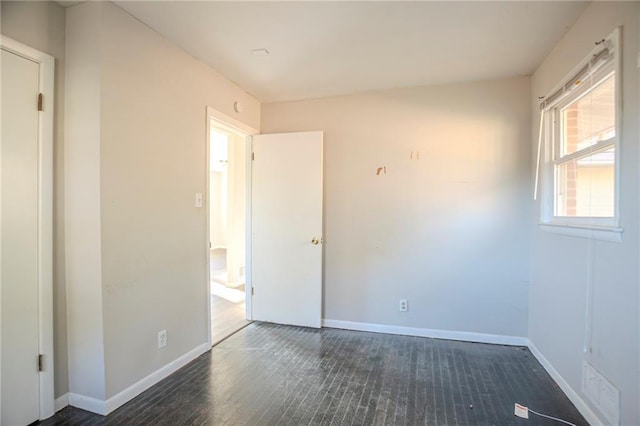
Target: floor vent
[(601, 393)]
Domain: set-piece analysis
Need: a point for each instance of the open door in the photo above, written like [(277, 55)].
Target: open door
[(286, 226)]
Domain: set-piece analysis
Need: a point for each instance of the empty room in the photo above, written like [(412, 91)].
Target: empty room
[(320, 212)]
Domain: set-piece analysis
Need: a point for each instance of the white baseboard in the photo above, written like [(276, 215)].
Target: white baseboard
[(573, 396), (105, 407), (87, 403), (426, 332), (61, 402), (137, 388)]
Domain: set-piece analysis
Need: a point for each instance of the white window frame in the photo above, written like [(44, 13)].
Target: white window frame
[(603, 228)]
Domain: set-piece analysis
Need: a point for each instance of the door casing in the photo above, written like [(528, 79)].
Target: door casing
[(225, 122), (45, 219)]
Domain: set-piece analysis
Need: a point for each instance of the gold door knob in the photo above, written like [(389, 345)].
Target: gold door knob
[(315, 241)]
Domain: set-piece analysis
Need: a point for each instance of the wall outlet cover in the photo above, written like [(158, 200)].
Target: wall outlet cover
[(162, 339)]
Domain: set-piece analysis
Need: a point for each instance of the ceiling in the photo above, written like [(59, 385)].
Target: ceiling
[(319, 49)]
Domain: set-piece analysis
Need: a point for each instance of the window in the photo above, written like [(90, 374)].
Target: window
[(580, 137), (584, 157)]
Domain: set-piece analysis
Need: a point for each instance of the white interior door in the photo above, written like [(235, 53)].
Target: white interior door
[(286, 226), (19, 250)]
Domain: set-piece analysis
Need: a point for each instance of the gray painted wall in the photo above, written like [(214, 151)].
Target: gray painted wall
[(448, 231), (562, 266), (132, 174), (153, 161)]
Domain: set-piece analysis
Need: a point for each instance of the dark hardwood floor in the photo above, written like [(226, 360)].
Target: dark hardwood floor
[(271, 374)]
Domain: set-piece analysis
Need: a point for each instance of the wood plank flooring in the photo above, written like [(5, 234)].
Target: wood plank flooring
[(270, 374), (226, 318)]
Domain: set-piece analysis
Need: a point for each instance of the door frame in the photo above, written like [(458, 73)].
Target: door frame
[(232, 125), (45, 219)]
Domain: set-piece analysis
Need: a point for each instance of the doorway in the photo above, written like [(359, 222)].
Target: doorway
[(227, 229)]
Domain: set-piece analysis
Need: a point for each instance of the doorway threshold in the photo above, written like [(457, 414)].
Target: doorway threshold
[(215, 342)]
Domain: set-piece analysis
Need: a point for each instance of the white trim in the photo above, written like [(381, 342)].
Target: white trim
[(105, 407), (87, 403), (606, 228), (207, 212), (597, 148), (230, 121), (590, 232), (137, 388), (465, 336), (248, 269), (61, 402), (573, 396), (45, 217), (229, 124)]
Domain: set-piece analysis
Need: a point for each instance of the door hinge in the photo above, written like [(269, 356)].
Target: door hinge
[(253, 156), (39, 101), (252, 291), (40, 362)]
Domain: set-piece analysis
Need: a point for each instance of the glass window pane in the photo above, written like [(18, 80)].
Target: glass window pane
[(585, 187), (590, 119)]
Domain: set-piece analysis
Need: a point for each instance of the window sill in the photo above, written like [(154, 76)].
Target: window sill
[(592, 232)]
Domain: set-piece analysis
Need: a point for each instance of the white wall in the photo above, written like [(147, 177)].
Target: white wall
[(41, 25), (562, 266), (152, 103), (83, 248), (217, 215), (236, 241), (448, 231)]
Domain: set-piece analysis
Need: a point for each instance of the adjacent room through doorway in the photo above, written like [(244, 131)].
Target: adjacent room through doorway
[(227, 230)]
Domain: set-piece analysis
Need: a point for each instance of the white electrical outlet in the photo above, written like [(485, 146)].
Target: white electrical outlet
[(404, 305), (162, 339)]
